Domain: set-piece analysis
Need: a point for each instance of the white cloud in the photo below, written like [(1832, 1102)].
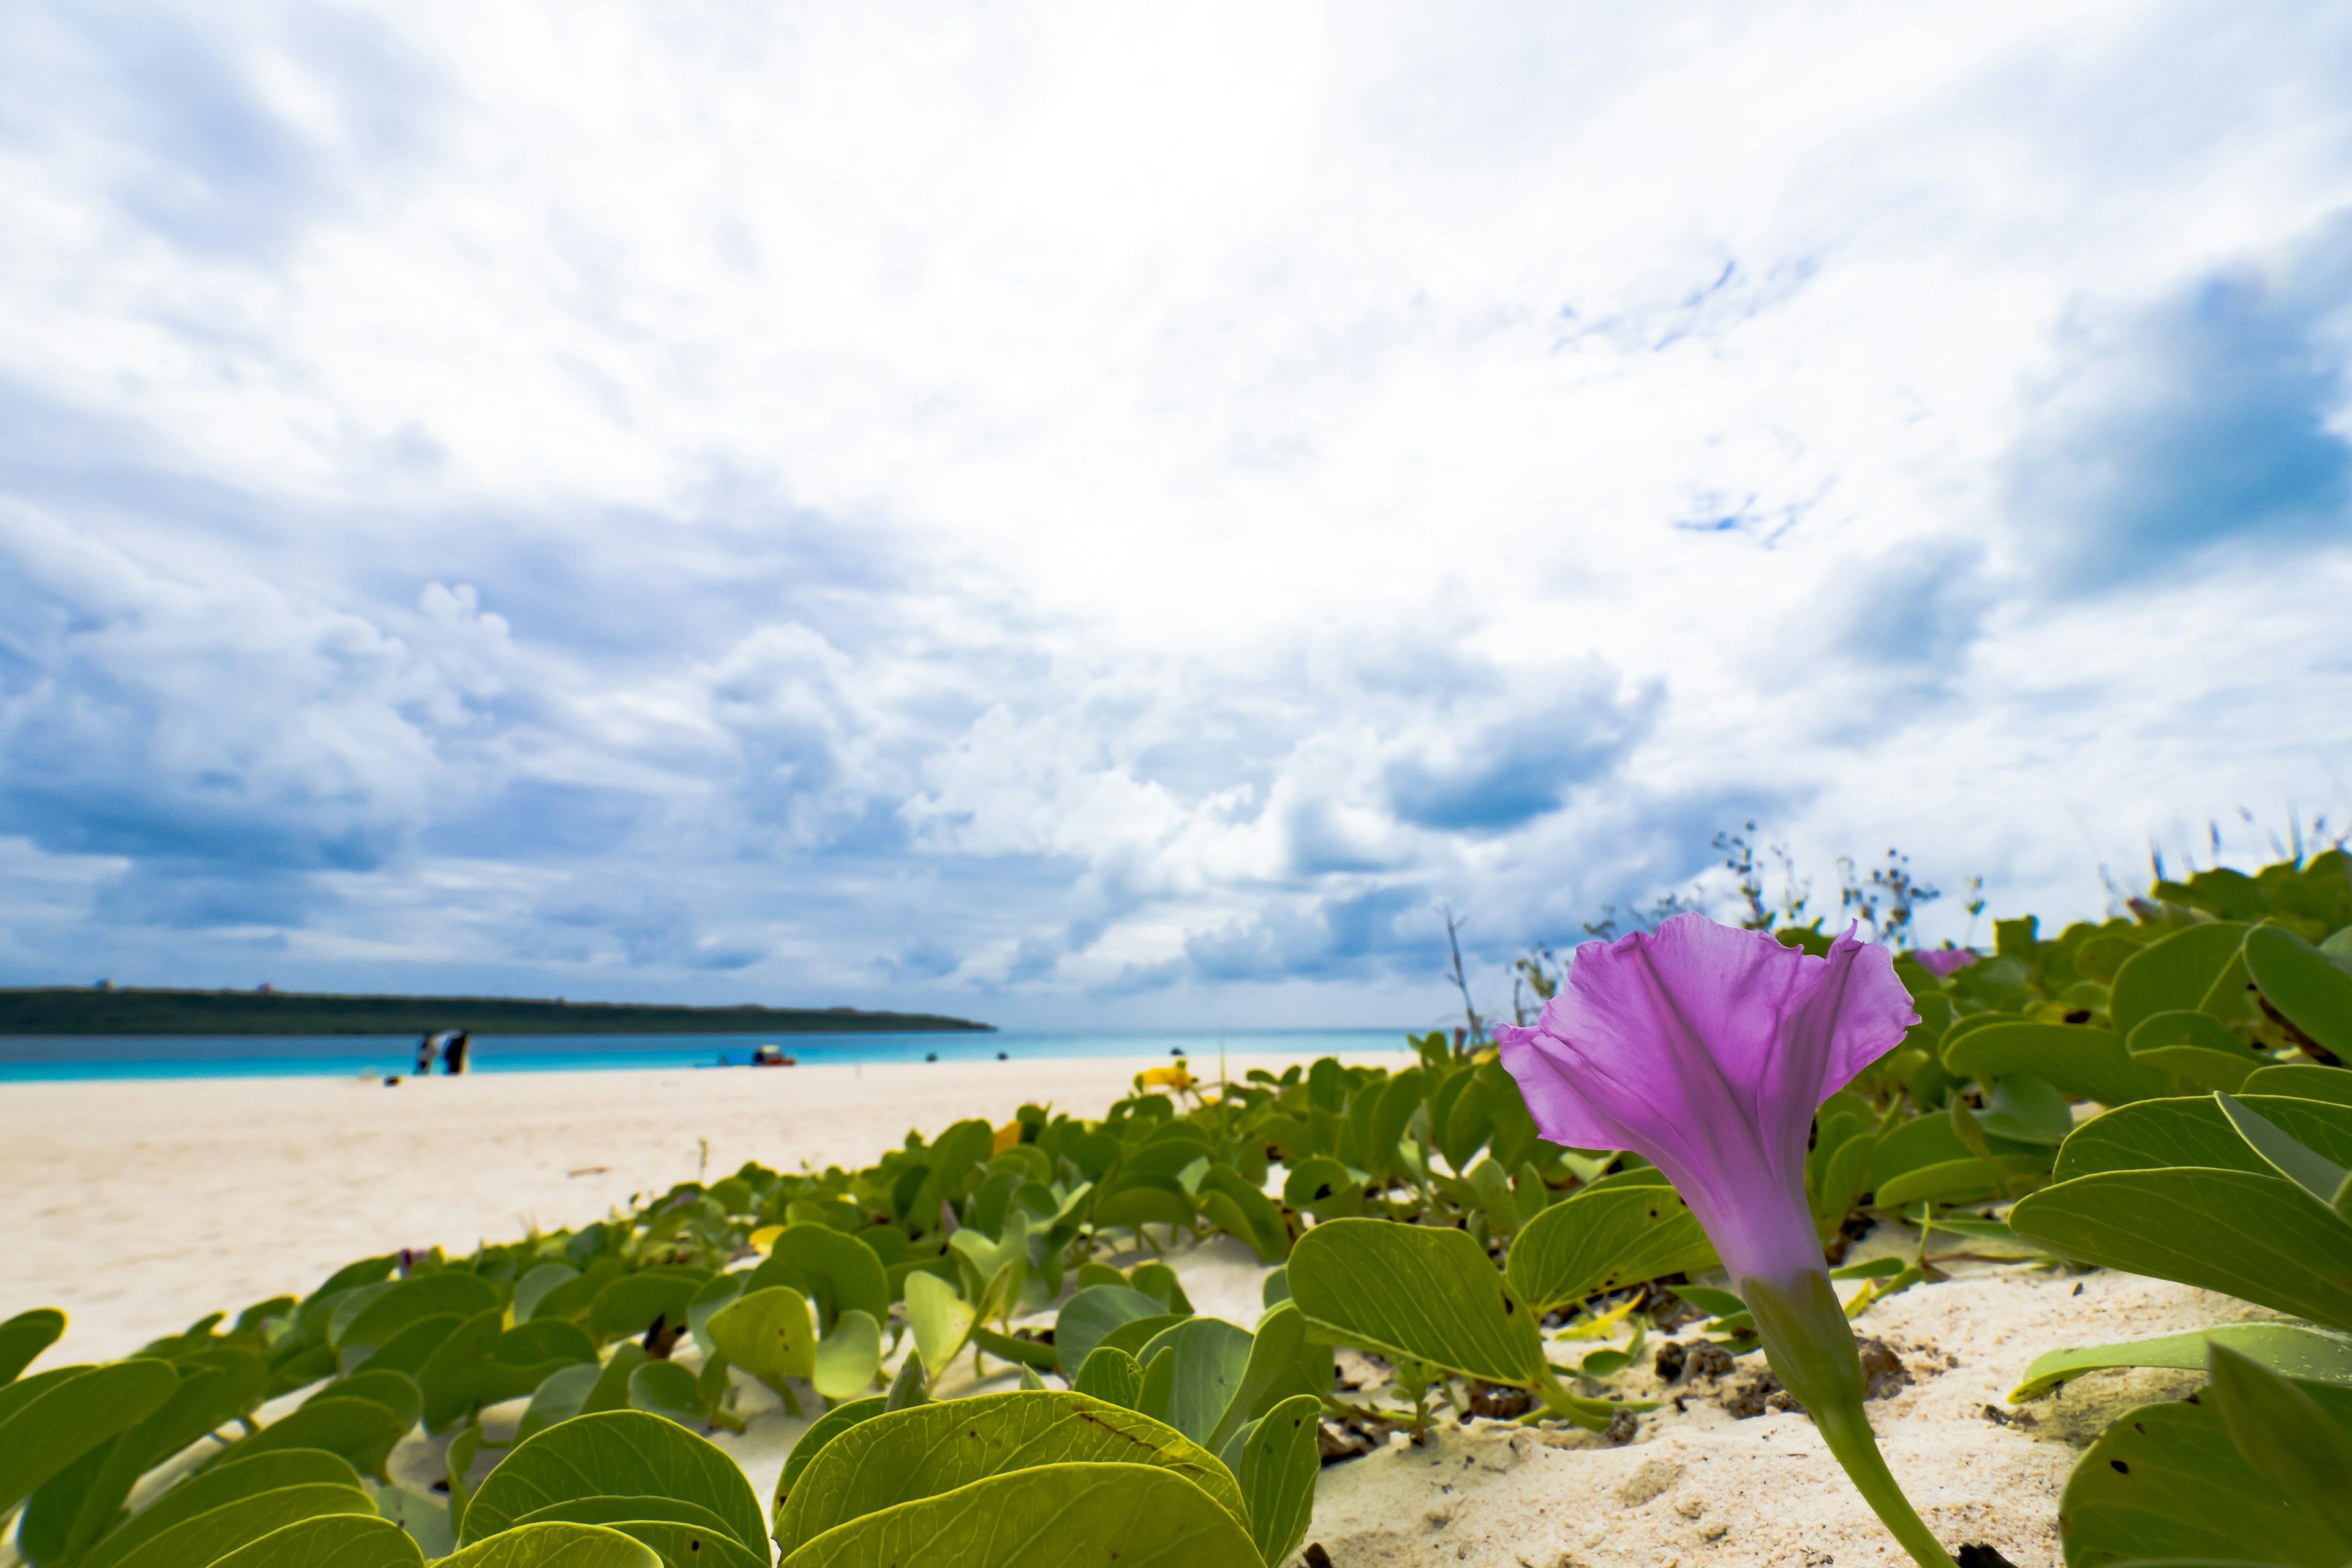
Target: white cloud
[(895, 501)]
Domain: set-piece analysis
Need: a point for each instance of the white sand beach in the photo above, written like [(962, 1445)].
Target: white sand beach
[(137, 1206)]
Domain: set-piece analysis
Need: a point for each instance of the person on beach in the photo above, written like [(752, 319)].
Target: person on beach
[(452, 1055), (426, 1052)]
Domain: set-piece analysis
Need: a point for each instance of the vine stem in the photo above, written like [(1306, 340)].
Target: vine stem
[(1811, 1348)]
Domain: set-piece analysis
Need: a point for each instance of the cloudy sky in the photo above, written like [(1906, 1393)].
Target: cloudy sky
[(1102, 513)]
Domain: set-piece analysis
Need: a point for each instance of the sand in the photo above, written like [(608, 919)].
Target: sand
[(138, 1206)]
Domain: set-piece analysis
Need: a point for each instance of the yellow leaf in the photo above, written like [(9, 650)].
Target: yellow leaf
[(765, 1237), (1006, 1136)]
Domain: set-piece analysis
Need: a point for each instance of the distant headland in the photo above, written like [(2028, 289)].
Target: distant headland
[(111, 1010)]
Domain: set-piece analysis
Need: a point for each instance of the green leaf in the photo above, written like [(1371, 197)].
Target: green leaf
[(933, 1449), (27, 1335), (1601, 1238), (1208, 1358), (716, 1292), (1242, 1211), (2167, 1482), (553, 1545), (1274, 1368), (2300, 981), (216, 1386), (424, 1519), (611, 1389), (666, 1389), (2194, 1049), (1092, 1313), (2320, 1355), (218, 1487), (911, 1384), (1418, 1292), (941, 1319), (533, 1286), (1112, 1375), (2257, 1237), (630, 1304), (563, 1395), (848, 1357), (1322, 1187), (2323, 1179), (1135, 1515), (203, 1537), (1278, 1467), (2285, 1435), (1961, 1181), (767, 1334), (2157, 1133), (330, 1541), (379, 1317), (53, 1420), (845, 1275), (2301, 1081), (685, 1534), (2173, 974), (619, 1453), (824, 1430), (407, 1350), (360, 1430), (2081, 1060)]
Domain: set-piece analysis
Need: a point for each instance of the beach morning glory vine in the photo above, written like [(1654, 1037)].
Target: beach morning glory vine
[(1705, 1049)]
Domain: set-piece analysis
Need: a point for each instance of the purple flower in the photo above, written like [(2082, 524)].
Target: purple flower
[(1706, 1050), (1941, 962)]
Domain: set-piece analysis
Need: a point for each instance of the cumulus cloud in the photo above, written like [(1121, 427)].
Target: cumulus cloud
[(1067, 515)]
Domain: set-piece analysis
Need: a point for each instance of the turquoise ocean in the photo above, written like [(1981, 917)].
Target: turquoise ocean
[(24, 1059)]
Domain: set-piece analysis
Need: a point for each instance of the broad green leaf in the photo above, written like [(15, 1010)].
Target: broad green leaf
[(553, 1545), (848, 1357), (424, 1518), (1112, 1375), (1033, 1355), (666, 1389), (716, 1292), (2323, 1179), (630, 1304), (845, 1275), (1238, 1208), (395, 1390), (933, 1449), (1962, 1181), (2302, 984), (1133, 1335), (203, 1537), (1417, 1292), (767, 1334), (457, 1471), (824, 1430), (2301, 1081), (560, 1397), (2319, 1355), (1063, 1516), (910, 1384), (1603, 1238), (51, 1421), (1090, 1314), (1272, 1368), (2172, 974), (1278, 1467), (27, 1335), (618, 1452), (1207, 1363), (360, 1430), (2195, 1048), (2157, 1133), (1325, 1188), (611, 1389), (449, 1295), (534, 1286), (2167, 1482), (2285, 1435), (330, 1541), (572, 1297), (685, 1534), (2081, 1060), (216, 1386), (941, 1319), (450, 1377), (1141, 1198), (223, 1485), (2257, 1237), (407, 1350)]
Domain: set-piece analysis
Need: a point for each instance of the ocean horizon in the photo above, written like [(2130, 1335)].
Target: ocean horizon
[(46, 1058)]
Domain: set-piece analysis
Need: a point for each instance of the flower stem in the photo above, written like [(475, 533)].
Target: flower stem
[(1811, 1349)]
